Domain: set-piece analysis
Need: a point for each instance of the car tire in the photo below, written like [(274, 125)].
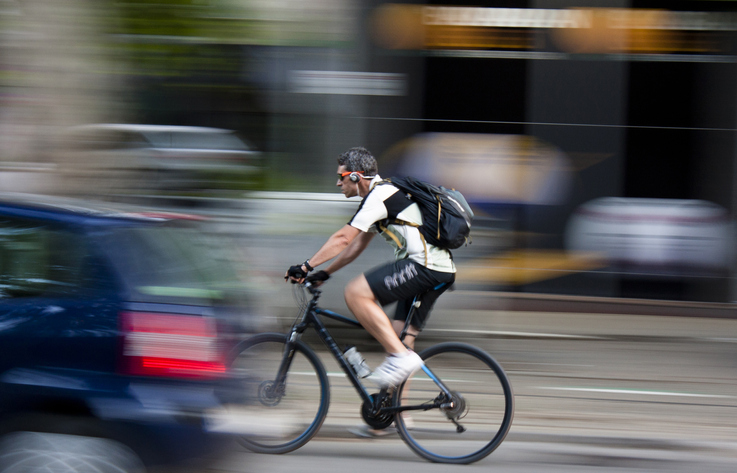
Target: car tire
[(62, 453)]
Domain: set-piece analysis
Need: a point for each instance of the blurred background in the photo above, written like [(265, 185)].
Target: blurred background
[(594, 139)]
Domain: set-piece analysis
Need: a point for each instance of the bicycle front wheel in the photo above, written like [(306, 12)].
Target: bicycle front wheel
[(467, 425), (286, 413)]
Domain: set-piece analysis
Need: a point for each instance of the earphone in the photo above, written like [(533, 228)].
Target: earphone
[(354, 176)]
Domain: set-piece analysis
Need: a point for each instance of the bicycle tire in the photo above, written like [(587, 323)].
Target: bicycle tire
[(281, 424), (483, 399)]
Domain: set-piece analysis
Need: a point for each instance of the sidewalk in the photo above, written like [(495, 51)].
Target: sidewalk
[(534, 302), (460, 315)]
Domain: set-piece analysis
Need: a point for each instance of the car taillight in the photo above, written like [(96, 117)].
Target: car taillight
[(179, 346)]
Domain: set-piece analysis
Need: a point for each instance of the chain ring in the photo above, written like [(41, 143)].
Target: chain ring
[(381, 420)]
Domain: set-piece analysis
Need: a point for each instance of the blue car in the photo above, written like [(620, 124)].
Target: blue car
[(114, 334)]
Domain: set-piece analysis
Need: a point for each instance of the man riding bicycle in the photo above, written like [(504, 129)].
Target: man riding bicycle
[(420, 269)]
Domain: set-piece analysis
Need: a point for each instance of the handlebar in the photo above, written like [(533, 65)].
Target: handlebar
[(313, 290)]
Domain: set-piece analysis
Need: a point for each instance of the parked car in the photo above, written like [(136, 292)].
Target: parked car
[(134, 159), (667, 237), (114, 330)]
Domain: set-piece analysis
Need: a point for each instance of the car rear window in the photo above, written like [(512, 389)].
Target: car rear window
[(41, 260), (172, 264)]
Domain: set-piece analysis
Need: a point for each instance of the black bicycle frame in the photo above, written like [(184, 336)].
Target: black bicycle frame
[(310, 317)]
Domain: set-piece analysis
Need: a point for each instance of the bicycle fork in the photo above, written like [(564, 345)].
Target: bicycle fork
[(271, 392)]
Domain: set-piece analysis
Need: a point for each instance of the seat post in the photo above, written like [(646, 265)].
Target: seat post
[(415, 304)]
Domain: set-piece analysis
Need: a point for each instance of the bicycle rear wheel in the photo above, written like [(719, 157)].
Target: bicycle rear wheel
[(481, 412), (286, 416)]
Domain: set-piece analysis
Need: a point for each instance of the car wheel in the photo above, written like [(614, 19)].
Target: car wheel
[(61, 453)]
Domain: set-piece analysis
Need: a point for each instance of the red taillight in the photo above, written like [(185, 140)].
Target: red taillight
[(180, 346)]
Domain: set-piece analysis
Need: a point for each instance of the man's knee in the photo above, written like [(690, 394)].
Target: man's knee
[(358, 288)]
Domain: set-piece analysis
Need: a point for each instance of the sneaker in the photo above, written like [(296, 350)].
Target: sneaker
[(396, 369)]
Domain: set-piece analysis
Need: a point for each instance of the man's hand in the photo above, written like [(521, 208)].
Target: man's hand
[(296, 274), (317, 278)]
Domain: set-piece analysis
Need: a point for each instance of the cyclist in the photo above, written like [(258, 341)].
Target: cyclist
[(419, 269)]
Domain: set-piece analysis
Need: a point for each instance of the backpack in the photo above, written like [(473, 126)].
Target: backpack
[(446, 216)]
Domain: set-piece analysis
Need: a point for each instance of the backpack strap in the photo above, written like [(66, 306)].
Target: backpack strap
[(424, 244), (394, 237), (390, 234), (397, 221), (378, 183), (440, 206)]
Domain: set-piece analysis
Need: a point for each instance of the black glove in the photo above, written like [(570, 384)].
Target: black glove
[(296, 272), (320, 276)]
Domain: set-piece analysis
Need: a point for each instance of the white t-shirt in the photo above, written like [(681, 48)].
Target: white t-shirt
[(384, 204)]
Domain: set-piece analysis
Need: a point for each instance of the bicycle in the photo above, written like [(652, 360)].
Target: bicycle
[(461, 401)]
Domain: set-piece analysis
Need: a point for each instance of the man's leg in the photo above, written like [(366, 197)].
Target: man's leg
[(421, 312), (361, 301), (400, 363), (365, 430), (409, 338)]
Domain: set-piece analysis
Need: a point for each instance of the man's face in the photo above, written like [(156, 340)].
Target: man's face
[(347, 187)]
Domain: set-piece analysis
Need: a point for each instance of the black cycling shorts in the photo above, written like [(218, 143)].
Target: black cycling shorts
[(401, 281)]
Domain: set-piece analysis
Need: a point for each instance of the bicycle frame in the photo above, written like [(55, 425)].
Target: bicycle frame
[(479, 384), (311, 318)]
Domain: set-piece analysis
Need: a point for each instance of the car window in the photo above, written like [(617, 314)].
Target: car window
[(195, 140), (172, 264), (38, 260), (157, 139), (219, 141), (102, 140)]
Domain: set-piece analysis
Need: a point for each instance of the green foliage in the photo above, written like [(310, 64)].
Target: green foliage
[(178, 38)]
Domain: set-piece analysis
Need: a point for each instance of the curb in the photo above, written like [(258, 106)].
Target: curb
[(536, 302)]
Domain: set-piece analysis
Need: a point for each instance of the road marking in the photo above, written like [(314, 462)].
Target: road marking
[(721, 340), (637, 391), (519, 334)]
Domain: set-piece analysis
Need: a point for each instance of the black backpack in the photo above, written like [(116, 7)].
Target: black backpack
[(446, 216)]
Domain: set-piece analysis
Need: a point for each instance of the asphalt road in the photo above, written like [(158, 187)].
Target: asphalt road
[(512, 457), (606, 403)]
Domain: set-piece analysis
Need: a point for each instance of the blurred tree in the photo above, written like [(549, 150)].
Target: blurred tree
[(186, 60), (53, 74), (71, 62)]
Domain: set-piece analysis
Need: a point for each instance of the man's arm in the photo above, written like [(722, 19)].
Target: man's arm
[(347, 238), (351, 252), (337, 242)]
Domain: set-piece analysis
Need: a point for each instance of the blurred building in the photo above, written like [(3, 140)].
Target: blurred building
[(636, 97)]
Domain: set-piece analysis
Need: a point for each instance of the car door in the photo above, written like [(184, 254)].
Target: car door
[(58, 305)]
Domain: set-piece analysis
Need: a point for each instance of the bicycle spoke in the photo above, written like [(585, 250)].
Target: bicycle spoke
[(469, 424), (289, 413)]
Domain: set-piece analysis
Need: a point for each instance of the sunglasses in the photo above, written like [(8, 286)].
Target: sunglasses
[(342, 175)]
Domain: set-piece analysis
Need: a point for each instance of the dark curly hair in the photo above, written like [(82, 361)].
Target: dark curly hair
[(359, 159)]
